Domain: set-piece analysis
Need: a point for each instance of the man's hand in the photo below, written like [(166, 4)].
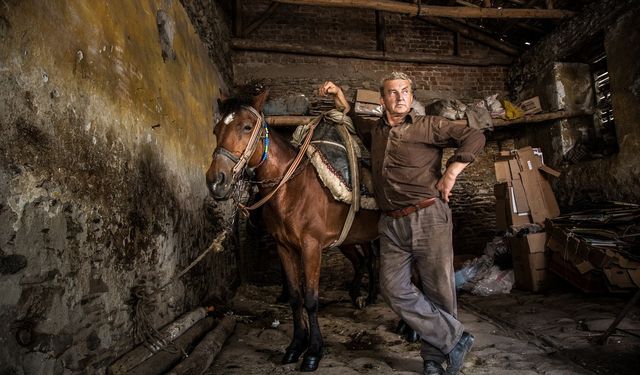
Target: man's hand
[(448, 179), (330, 88)]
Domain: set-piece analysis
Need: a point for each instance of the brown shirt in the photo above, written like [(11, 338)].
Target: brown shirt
[(406, 160)]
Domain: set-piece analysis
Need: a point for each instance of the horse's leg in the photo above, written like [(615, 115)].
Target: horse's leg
[(284, 292), (370, 251), (311, 263), (291, 267), (357, 261)]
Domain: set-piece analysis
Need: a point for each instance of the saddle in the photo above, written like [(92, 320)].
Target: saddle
[(329, 156)]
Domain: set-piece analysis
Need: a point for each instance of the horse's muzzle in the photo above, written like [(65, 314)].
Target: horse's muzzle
[(219, 186)]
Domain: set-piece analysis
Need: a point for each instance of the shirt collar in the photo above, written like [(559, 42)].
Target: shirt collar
[(408, 119)]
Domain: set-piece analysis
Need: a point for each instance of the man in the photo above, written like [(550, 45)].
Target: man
[(413, 193)]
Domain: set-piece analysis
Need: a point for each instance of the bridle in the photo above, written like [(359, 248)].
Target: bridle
[(241, 163)]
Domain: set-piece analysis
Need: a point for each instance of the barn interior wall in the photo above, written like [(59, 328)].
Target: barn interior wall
[(335, 28), (106, 111), (614, 177)]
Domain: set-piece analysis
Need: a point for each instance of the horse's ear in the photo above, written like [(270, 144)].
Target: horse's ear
[(260, 99), (223, 96)]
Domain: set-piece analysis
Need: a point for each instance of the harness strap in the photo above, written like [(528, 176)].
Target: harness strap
[(355, 184), (251, 146), (290, 171)]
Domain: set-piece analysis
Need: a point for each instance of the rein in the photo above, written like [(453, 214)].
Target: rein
[(290, 171), (241, 163)]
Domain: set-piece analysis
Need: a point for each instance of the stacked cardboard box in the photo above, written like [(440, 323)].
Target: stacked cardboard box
[(529, 261), (524, 196), (523, 193), (591, 267)]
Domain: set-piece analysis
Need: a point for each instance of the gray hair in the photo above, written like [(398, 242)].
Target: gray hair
[(392, 77)]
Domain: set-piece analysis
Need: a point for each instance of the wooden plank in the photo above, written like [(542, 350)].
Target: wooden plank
[(279, 121), (436, 11), (270, 46), (202, 356), (169, 333)]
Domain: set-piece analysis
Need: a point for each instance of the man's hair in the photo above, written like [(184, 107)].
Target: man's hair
[(392, 77)]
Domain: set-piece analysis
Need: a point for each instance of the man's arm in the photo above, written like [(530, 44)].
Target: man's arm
[(330, 88), (448, 179)]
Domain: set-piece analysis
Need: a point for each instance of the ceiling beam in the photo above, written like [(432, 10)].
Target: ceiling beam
[(310, 50), (435, 11), (472, 34)]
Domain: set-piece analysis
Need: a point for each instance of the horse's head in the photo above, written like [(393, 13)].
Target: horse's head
[(237, 134)]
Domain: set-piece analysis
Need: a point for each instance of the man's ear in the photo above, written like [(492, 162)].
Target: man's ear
[(260, 99)]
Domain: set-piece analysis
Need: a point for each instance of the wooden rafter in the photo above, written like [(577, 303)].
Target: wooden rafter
[(472, 34), (436, 11), (269, 46)]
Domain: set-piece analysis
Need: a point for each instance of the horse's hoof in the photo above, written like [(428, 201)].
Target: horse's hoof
[(291, 356), (360, 302), (310, 363)]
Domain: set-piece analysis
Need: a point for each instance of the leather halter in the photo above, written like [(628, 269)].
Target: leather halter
[(241, 162)]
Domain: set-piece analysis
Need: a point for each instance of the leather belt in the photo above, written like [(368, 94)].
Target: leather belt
[(411, 209)]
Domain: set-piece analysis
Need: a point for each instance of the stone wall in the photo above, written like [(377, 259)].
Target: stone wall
[(615, 177), (105, 114)]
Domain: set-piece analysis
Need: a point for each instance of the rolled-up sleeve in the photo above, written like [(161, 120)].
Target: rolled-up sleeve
[(470, 142)]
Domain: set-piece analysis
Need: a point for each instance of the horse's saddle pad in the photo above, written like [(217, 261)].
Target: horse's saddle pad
[(328, 155)]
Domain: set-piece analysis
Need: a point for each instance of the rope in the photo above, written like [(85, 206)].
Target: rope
[(144, 298)]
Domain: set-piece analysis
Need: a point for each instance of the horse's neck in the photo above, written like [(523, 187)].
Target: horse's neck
[(279, 157)]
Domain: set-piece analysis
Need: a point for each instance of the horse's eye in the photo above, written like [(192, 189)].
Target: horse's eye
[(247, 127)]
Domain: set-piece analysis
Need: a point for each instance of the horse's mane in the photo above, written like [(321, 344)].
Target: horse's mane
[(244, 96)]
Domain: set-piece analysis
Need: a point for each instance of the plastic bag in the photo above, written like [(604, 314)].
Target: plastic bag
[(494, 282)]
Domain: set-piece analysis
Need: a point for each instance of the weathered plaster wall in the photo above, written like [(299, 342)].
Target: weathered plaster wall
[(105, 114), (616, 177)]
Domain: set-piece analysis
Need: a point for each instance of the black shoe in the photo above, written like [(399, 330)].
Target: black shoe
[(456, 356), (432, 368)]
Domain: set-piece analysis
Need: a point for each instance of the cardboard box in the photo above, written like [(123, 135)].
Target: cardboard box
[(531, 106), (529, 261), (368, 103), (529, 193), (511, 205)]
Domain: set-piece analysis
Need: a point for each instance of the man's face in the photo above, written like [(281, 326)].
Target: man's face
[(397, 98)]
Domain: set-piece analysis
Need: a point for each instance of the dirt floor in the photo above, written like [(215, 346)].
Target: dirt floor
[(518, 333)]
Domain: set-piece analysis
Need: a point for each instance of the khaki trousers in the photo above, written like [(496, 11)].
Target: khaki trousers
[(423, 237)]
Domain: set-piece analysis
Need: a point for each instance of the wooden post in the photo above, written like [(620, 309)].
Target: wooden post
[(203, 355), (380, 32), (169, 333), (163, 361), (237, 18)]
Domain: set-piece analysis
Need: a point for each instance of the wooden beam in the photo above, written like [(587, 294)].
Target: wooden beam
[(261, 19), (549, 4), (472, 34), (283, 121), (380, 32), (436, 11), (268, 46), (237, 18)]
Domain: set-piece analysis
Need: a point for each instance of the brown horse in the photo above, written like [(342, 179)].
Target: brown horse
[(301, 215)]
